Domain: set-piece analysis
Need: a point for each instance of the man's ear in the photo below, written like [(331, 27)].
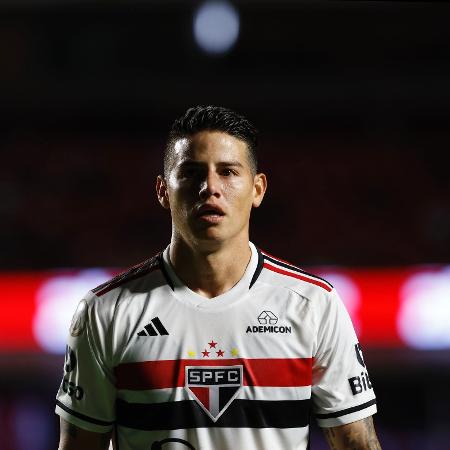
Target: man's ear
[(260, 186), (161, 192)]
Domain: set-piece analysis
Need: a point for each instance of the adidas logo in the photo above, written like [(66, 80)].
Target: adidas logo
[(149, 330)]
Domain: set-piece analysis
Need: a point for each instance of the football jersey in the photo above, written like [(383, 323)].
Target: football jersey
[(170, 369)]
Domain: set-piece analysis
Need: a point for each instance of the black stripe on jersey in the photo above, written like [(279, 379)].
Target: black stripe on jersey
[(82, 416), (259, 268), (295, 269), (132, 273), (346, 411), (188, 414)]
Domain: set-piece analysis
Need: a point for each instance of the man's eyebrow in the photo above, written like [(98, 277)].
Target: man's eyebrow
[(192, 162), (230, 163)]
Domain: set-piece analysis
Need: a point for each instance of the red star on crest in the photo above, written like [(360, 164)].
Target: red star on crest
[(205, 353), (220, 353), (212, 344)]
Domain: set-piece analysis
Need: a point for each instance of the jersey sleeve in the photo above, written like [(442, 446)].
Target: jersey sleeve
[(86, 396), (341, 392)]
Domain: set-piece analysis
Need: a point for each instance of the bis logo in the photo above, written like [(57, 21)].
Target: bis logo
[(360, 383)]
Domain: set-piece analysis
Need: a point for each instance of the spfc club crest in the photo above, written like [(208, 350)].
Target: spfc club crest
[(213, 387)]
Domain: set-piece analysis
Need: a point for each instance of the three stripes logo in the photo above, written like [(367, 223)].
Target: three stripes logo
[(154, 328)]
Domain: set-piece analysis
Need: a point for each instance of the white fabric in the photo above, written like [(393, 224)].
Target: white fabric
[(311, 322)]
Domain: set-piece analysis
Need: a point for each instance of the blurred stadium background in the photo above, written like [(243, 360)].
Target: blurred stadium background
[(353, 102)]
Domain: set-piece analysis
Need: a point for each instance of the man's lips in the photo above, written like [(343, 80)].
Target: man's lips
[(209, 210)]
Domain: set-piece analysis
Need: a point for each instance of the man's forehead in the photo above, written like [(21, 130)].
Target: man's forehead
[(219, 144)]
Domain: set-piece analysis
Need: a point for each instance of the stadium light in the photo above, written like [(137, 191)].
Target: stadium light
[(216, 26), (405, 307), (56, 301), (424, 315)]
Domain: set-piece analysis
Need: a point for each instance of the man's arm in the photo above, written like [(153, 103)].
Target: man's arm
[(359, 435), (73, 438)]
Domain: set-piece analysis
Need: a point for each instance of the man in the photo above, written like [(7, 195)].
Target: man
[(213, 344)]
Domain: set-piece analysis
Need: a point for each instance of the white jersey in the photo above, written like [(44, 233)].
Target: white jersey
[(170, 369)]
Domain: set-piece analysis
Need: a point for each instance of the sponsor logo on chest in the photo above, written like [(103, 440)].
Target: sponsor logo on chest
[(268, 323)]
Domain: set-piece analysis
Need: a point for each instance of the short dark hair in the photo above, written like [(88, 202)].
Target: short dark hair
[(212, 118)]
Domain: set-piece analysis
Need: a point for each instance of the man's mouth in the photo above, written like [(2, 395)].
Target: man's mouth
[(209, 211)]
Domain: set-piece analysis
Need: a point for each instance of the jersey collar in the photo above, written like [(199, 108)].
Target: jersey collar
[(233, 295)]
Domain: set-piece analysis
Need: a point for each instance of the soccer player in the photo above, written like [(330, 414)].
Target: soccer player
[(213, 344)]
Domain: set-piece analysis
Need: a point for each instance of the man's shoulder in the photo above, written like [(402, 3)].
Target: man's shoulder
[(278, 271), (130, 276)]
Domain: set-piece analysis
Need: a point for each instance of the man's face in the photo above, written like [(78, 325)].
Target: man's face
[(210, 188)]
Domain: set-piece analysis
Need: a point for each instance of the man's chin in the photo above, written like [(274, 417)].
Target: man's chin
[(210, 237), (210, 234)]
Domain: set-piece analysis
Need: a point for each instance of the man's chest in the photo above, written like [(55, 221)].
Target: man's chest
[(270, 324), (219, 363)]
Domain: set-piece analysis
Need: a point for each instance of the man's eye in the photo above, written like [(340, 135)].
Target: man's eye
[(189, 172), (228, 172)]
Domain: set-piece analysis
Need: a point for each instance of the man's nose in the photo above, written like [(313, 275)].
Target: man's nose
[(210, 185)]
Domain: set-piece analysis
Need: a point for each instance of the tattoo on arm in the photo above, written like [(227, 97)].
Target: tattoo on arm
[(359, 435), (330, 437)]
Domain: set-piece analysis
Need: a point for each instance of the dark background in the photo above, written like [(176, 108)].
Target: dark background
[(352, 99)]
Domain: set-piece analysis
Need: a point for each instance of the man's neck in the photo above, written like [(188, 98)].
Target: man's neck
[(210, 273)]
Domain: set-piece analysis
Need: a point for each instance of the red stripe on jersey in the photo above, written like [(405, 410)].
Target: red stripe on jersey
[(122, 279), (276, 372), (274, 257), (298, 276)]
